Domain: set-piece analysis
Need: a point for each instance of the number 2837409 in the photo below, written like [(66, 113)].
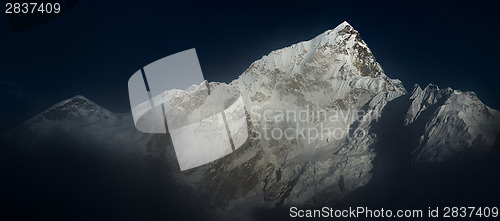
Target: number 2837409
[(32, 8)]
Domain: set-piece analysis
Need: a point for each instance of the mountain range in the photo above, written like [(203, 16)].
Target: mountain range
[(375, 127)]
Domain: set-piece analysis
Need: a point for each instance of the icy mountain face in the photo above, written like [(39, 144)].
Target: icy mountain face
[(334, 63), (334, 74), (456, 123)]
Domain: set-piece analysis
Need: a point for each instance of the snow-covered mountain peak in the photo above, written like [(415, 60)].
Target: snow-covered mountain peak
[(339, 52), (338, 59), (77, 101), (344, 23), (330, 36), (76, 117), (74, 108), (77, 108), (454, 122), (333, 73)]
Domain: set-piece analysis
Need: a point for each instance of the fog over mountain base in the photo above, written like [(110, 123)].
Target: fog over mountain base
[(429, 147)]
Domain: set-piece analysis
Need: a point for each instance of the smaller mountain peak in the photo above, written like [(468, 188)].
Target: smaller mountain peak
[(432, 87), (78, 101), (416, 89), (79, 97), (73, 107), (449, 89)]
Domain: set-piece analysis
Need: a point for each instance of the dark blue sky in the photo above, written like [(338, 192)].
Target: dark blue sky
[(94, 49)]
